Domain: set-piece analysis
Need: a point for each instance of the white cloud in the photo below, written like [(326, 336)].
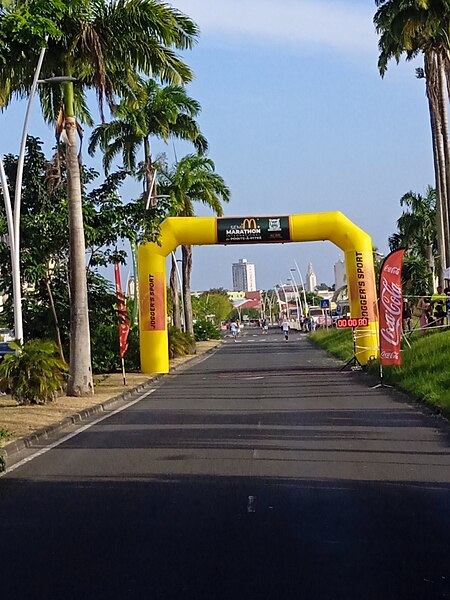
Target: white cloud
[(327, 23)]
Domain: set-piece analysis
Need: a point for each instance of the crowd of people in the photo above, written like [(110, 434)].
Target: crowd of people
[(431, 311), (424, 313)]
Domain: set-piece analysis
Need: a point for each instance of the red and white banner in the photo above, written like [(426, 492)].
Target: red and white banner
[(391, 308), (124, 321)]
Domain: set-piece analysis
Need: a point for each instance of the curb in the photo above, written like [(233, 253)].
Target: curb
[(26, 442), (12, 448)]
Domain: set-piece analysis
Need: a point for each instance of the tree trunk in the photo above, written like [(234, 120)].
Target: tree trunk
[(439, 158), (134, 255), (175, 296), (187, 268), (446, 144), (441, 196), (430, 260), (150, 185), (80, 374)]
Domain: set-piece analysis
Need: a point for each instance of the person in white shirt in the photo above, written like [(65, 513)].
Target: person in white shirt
[(285, 328)]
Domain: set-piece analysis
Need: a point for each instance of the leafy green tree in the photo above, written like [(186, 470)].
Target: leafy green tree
[(212, 305), (45, 253), (104, 46), (192, 179), (411, 28), (313, 299)]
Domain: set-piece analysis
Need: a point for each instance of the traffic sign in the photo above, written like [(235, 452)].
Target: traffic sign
[(324, 304)]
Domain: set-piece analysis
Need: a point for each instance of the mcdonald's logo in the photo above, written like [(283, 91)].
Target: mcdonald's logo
[(249, 223)]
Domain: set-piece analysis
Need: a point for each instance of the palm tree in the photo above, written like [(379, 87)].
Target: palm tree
[(417, 225), (102, 45), (411, 27), (153, 111), (416, 232), (193, 179)]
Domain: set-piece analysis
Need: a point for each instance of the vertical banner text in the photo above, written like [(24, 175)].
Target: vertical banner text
[(153, 313)]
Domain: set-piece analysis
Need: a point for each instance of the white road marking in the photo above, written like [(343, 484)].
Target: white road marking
[(73, 434)]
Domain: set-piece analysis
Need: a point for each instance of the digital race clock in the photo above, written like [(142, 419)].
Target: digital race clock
[(361, 322)]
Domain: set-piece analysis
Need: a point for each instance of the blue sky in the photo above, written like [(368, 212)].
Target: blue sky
[(298, 120)]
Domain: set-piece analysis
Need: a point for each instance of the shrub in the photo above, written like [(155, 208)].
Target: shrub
[(105, 349), (4, 435), (205, 330), (133, 353), (35, 373), (179, 343)]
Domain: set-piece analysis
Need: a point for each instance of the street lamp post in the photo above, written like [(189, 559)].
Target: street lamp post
[(13, 217), (288, 314), (289, 279), (298, 300), (279, 301), (180, 285), (179, 289), (303, 285)]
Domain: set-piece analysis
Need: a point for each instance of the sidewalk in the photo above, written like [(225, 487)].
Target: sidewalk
[(28, 423)]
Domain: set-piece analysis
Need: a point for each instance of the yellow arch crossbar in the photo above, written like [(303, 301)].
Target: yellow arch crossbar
[(196, 231)]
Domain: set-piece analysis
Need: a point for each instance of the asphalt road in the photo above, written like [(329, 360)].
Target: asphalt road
[(260, 472)]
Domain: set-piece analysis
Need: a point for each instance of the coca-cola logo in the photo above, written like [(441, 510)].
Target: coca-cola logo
[(392, 301), (390, 355), (392, 269)]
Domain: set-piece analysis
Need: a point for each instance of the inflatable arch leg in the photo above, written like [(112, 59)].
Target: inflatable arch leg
[(176, 231)]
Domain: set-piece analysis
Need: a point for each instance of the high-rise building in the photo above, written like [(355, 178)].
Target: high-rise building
[(244, 277), (311, 280), (340, 275)]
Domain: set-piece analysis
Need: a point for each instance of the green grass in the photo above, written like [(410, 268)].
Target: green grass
[(425, 369), (337, 341)]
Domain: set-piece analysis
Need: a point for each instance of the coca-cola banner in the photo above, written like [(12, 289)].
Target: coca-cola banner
[(391, 308)]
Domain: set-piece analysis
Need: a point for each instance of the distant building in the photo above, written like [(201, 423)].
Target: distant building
[(340, 275), (311, 280), (244, 277)]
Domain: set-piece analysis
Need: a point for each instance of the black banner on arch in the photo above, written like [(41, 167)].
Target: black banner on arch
[(253, 230)]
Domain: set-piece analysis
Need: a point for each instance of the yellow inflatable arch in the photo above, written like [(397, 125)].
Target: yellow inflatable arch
[(195, 231)]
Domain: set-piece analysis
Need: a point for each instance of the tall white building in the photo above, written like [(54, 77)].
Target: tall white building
[(311, 280), (340, 274), (244, 277)]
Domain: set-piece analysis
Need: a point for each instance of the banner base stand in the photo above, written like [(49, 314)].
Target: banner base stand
[(381, 384), (353, 363)]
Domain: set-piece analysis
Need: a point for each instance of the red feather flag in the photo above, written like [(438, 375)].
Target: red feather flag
[(391, 308), (124, 321)]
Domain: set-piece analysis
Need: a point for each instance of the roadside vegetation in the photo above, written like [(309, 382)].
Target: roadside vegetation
[(34, 373), (67, 225), (424, 374), (4, 435)]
